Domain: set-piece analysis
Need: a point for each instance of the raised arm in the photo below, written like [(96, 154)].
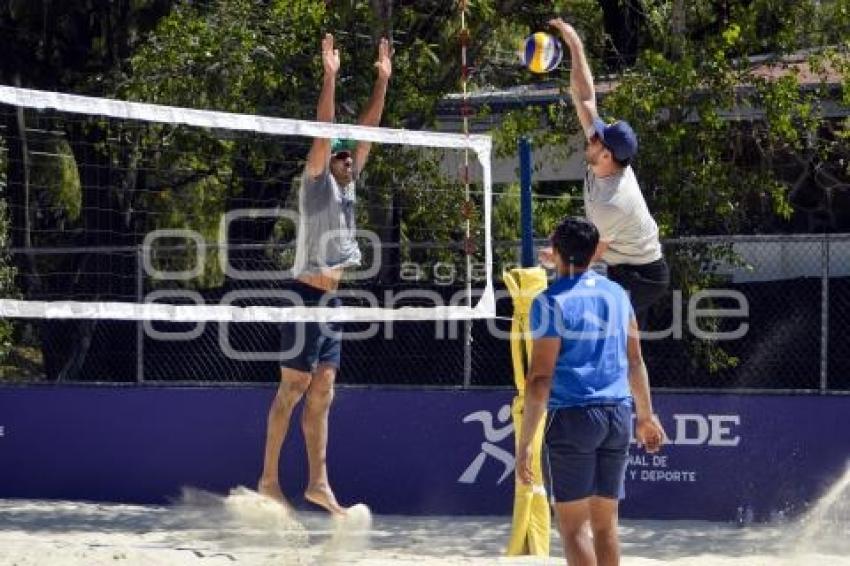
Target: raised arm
[(648, 430), (371, 115), (320, 151), (581, 79)]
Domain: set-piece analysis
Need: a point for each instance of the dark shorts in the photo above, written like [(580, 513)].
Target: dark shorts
[(646, 284), (305, 345), (586, 450)]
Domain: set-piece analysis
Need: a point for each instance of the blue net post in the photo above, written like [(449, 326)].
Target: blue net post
[(527, 230)]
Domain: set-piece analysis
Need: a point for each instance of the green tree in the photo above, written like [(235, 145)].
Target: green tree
[(725, 139), (68, 46), (730, 133)]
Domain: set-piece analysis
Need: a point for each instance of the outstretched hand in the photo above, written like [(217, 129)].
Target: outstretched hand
[(330, 56), (384, 63)]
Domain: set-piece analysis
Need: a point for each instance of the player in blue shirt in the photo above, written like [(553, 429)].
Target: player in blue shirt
[(587, 369)]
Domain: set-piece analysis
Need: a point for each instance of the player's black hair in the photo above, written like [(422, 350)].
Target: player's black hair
[(575, 240)]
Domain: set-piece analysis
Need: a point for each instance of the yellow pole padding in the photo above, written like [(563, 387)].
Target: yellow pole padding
[(532, 519)]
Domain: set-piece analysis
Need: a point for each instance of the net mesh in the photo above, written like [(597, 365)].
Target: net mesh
[(131, 211), (156, 243)]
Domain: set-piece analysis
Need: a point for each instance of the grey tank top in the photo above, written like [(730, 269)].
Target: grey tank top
[(326, 229)]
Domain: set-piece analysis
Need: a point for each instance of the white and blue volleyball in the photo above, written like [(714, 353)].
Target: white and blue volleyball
[(541, 52)]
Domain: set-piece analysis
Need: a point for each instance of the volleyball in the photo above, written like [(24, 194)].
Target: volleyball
[(541, 52)]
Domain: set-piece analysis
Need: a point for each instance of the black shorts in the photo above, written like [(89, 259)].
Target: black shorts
[(305, 345), (645, 284), (586, 451)]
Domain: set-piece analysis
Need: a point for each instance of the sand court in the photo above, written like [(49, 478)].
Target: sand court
[(244, 528)]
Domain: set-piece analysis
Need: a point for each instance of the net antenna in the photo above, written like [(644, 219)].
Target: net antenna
[(481, 145)]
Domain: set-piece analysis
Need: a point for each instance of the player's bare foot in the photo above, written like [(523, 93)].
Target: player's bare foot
[(324, 497), (271, 489)]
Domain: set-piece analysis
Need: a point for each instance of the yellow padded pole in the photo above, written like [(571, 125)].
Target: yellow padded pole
[(531, 518)]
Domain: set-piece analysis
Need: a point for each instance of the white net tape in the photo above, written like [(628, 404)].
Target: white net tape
[(228, 313)]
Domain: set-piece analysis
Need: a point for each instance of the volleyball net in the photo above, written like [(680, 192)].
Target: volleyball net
[(176, 217)]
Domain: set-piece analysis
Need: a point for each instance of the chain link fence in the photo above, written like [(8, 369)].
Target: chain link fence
[(760, 313), (745, 313)]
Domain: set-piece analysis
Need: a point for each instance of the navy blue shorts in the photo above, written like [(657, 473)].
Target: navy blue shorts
[(304, 345), (586, 451)]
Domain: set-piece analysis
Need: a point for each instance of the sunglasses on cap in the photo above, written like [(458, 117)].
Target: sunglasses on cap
[(345, 154)]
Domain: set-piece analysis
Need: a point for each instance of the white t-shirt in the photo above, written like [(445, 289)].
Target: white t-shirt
[(617, 208)]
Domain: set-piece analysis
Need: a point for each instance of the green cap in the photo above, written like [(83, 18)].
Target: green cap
[(342, 144)]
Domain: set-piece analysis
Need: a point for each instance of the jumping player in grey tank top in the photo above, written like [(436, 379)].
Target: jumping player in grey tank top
[(326, 245)]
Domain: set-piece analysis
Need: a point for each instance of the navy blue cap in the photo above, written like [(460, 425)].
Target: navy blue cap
[(619, 137)]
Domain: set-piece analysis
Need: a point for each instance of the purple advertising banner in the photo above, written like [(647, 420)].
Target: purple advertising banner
[(409, 451)]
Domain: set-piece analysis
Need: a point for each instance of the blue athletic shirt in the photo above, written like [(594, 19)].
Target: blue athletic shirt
[(591, 315)]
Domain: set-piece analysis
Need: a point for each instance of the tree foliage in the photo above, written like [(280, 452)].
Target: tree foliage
[(730, 101)]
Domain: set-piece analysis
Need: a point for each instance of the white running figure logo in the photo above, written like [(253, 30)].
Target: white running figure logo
[(488, 447)]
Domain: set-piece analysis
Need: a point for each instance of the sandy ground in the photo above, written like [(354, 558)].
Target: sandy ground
[(244, 528)]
